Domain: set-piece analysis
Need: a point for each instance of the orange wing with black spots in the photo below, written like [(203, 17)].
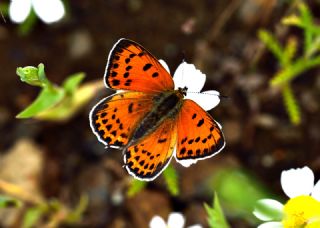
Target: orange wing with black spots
[(147, 158), (131, 67), (199, 136), (115, 118)]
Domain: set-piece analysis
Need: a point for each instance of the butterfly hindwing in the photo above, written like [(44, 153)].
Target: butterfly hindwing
[(114, 118), (131, 67), (147, 158), (199, 136)]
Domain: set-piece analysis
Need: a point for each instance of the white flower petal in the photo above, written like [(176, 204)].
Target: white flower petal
[(297, 182), (195, 226), (271, 225), (165, 65), (268, 209), (176, 220), (157, 222), (316, 191), (19, 10), (187, 75), (187, 162), (207, 99), (49, 11)]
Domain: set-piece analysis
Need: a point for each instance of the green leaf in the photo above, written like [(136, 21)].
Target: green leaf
[(292, 20), (238, 191), (289, 51), (306, 18), (292, 71), (76, 215), (271, 43), (32, 216), (8, 202), (72, 82), (135, 187), (171, 178), (314, 47), (216, 218), (291, 105), (47, 98), (268, 210)]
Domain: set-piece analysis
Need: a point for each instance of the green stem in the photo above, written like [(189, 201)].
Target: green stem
[(294, 70)]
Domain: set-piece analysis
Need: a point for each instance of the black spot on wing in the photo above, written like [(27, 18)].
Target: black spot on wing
[(130, 108), (115, 82), (200, 122), (162, 140), (147, 66)]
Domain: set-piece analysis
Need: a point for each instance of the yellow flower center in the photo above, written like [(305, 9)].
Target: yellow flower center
[(302, 211)]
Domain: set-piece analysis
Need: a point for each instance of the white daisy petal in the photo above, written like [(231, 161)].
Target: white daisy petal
[(187, 162), (207, 99), (157, 222), (49, 11), (297, 182), (268, 210), (271, 225), (195, 226), (187, 75), (19, 10), (165, 65), (176, 220), (316, 191)]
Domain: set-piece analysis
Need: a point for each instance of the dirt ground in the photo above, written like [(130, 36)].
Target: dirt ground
[(220, 38)]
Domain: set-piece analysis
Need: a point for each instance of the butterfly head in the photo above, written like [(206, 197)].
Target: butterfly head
[(183, 91)]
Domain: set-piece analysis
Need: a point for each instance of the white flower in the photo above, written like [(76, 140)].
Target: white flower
[(303, 206), (48, 11), (299, 182), (175, 220), (186, 75)]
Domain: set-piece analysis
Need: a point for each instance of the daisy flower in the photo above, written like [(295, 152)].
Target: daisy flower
[(175, 220), (48, 11), (303, 207)]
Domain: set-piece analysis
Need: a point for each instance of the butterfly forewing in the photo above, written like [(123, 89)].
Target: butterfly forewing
[(131, 67), (199, 136), (114, 118)]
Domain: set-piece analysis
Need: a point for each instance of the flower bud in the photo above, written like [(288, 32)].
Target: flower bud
[(32, 75)]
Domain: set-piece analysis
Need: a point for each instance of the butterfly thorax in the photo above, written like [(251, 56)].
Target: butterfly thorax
[(166, 105)]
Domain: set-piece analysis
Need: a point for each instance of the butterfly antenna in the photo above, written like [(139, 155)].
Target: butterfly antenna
[(219, 95), (224, 97)]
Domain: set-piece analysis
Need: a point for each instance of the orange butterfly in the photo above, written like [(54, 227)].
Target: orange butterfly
[(153, 116)]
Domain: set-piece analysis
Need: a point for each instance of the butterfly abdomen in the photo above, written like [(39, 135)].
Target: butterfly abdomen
[(166, 106)]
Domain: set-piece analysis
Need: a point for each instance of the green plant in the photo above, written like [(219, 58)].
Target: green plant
[(135, 187), (54, 102), (38, 212), (216, 217), (8, 202), (291, 65), (170, 176)]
